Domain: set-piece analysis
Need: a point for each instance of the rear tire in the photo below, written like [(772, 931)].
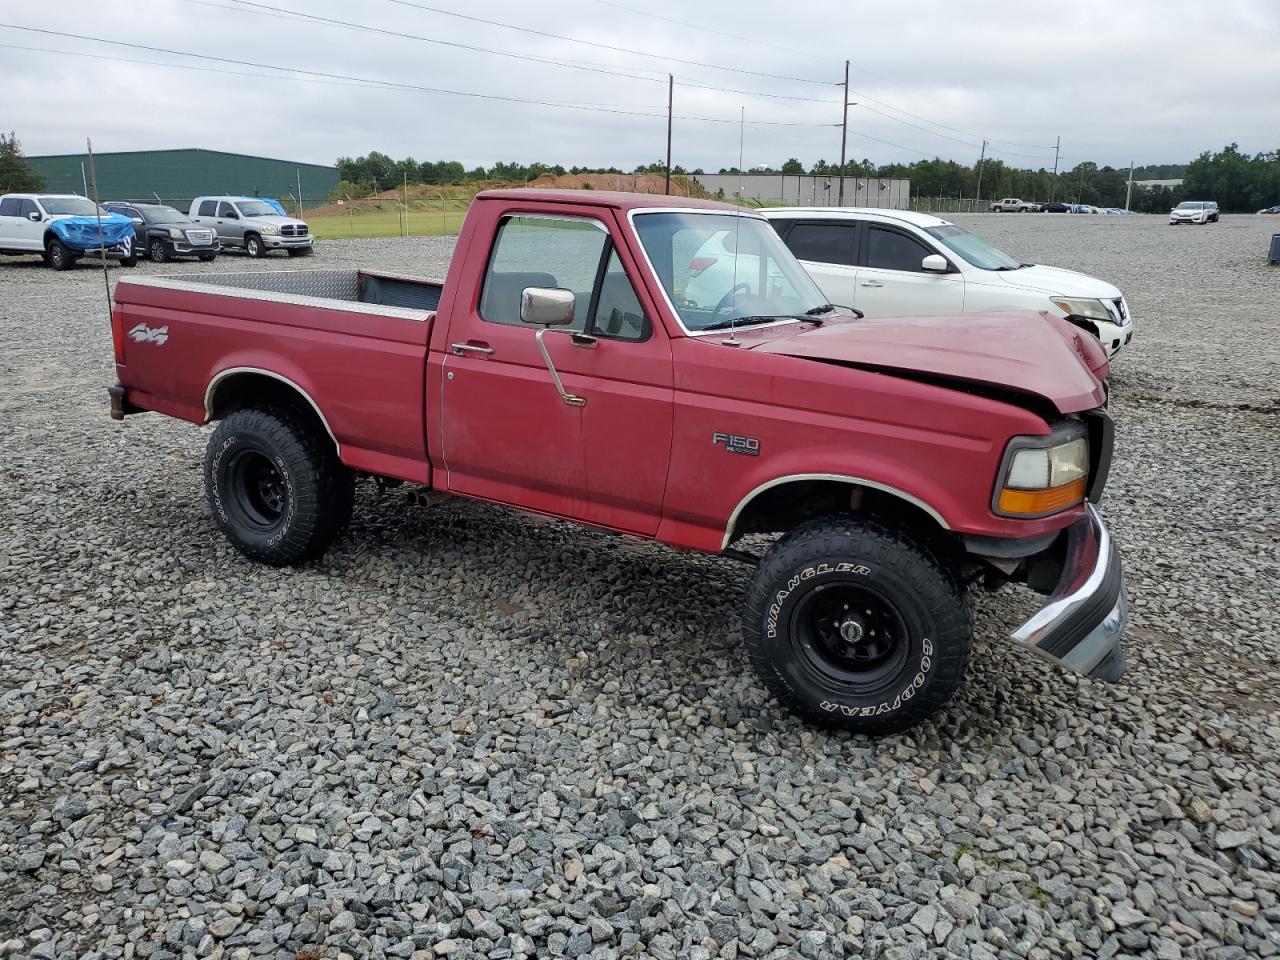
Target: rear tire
[(275, 485), (854, 625), (131, 260), (253, 246), (58, 256)]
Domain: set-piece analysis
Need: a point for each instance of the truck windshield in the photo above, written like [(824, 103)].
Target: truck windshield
[(718, 267), (972, 249), (255, 208), (164, 215), (70, 206)]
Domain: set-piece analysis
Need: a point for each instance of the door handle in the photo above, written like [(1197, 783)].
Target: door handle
[(872, 283), (462, 349)]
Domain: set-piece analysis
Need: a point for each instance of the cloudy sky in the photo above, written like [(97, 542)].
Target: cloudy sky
[(1140, 81)]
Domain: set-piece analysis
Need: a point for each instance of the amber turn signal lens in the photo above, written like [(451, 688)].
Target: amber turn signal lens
[(1035, 502)]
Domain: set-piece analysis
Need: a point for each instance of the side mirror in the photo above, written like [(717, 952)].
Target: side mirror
[(546, 306), (935, 263), (137, 221), (231, 215), (35, 216)]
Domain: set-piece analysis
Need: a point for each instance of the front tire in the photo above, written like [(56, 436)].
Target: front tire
[(857, 626), (275, 485), (158, 251), (253, 246), (58, 256)]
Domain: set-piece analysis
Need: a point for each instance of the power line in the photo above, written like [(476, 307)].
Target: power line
[(389, 84), (604, 46), (265, 10), (720, 33)]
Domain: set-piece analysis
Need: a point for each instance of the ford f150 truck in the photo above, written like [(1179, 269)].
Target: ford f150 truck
[(567, 367)]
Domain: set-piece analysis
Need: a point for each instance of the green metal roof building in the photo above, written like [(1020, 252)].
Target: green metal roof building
[(177, 176)]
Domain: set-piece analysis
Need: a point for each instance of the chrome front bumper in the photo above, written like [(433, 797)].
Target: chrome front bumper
[(1079, 627)]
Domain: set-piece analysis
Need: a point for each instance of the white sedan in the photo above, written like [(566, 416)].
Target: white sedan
[(897, 263)]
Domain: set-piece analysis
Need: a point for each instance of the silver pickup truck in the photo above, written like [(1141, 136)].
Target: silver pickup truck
[(252, 225)]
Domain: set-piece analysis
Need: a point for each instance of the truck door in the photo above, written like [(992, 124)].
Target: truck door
[(29, 233), (228, 224), (598, 455)]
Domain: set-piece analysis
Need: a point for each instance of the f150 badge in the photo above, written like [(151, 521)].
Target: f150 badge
[(144, 334), (747, 446)]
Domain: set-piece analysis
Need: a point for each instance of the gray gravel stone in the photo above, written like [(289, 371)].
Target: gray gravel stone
[(467, 732)]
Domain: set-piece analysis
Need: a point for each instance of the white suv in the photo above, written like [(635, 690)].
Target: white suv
[(889, 263)]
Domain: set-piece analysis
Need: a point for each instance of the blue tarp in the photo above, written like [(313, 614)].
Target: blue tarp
[(81, 233)]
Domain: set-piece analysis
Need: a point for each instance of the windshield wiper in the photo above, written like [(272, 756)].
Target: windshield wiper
[(825, 308), (747, 321)]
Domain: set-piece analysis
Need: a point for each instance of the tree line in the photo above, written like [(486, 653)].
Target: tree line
[(1238, 182)]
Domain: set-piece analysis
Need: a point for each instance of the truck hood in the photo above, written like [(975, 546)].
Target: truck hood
[(1034, 354), (1054, 282), (276, 219)]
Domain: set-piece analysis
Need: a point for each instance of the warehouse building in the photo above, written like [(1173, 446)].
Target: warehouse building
[(176, 176), (807, 190)]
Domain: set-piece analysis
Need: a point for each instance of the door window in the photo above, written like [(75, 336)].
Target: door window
[(27, 207), (823, 242), (226, 210), (890, 250), (542, 252), (208, 208), (618, 312), (9, 207)]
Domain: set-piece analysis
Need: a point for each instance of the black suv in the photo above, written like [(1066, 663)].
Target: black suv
[(164, 233)]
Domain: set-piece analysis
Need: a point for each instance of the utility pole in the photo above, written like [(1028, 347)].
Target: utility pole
[(671, 84), (1053, 187), (844, 133), (298, 171), (981, 160), (1128, 192)]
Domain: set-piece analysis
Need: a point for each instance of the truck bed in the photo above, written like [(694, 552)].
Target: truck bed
[(353, 342)]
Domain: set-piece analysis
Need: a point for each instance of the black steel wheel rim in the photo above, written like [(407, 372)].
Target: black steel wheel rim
[(258, 491), (850, 635)]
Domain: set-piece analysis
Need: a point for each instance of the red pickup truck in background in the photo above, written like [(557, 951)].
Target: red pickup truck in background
[(573, 364)]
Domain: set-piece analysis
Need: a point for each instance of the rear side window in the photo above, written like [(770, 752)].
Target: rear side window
[(542, 252), (9, 207), (823, 242), (890, 250), (208, 208)]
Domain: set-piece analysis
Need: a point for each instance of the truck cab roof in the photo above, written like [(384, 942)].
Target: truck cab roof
[(609, 198)]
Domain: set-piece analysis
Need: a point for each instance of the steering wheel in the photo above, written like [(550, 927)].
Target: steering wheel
[(726, 302)]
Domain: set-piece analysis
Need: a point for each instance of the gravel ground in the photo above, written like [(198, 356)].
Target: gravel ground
[(473, 733)]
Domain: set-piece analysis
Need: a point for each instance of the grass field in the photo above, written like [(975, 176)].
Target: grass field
[(386, 222)]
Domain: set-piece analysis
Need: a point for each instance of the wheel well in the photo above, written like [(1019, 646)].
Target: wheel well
[(260, 390), (780, 508)]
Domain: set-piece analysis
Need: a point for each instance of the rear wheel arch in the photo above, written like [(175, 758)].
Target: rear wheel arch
[(242, 387)]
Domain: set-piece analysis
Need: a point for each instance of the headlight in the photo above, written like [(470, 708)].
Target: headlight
[(175, 233), (1042, 475), (268, 228), (1089, 309)]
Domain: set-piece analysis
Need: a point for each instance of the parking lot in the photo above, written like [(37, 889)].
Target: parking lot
[(470, 732)]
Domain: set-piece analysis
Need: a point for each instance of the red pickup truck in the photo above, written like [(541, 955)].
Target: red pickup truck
[(591, 356)]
